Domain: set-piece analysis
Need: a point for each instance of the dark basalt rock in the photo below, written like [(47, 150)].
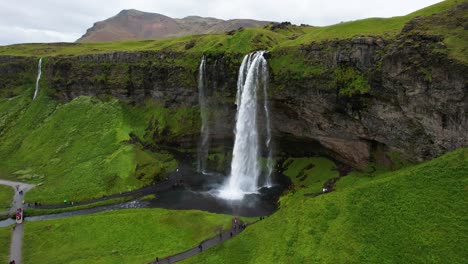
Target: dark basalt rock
[(416, 104)]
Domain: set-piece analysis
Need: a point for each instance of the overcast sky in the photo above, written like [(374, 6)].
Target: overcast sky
[(23, 21)]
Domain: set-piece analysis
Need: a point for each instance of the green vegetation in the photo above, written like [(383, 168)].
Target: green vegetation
[(243, 41), (416, 214), (385, 27), (6, 196), (350, 82), (5, 238), (310, 173), (291, 64), (124, 236), (80, 149), (35, 211)]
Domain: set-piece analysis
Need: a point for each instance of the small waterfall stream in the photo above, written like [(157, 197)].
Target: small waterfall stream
[(204, 143), (246, 164), (39, 71)]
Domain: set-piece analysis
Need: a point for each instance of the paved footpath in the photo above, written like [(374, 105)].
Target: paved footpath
[(17, 235), (206, 244)]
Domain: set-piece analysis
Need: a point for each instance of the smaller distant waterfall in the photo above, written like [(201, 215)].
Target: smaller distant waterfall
[(204, 143), (39, 71)]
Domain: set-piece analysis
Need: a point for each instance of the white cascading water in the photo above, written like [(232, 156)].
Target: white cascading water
[(266, 106), (246, 164), (203, 144), (39, 71)]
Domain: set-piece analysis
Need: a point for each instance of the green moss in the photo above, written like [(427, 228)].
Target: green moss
[(151, 166), (411, 215), (310, 173), (350, 82), (79, 150), (290, 63)]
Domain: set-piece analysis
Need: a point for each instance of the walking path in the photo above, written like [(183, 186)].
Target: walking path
[(17, 235), (158, 187), (206, 244)]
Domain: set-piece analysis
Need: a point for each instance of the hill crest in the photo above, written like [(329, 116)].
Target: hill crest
[(135, 24)]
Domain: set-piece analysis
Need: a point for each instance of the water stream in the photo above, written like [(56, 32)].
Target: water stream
[(246, 166), (39, 72), (203, 144)]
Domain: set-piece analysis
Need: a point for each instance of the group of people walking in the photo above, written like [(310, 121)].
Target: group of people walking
[(237, 226)]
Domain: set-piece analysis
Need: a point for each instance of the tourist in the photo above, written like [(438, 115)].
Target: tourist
[(157, 260), (231, 233), (200, 247)]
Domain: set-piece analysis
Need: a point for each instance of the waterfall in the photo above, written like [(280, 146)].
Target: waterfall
[(203, 144), (39, 71), (246, 164), (266, 107)]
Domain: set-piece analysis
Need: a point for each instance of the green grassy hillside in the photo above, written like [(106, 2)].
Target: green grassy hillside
[(414, 215), (243, 41), (80, 149), (125, 236), (6, 196), (385, 27), (5, 237), (310, 173)]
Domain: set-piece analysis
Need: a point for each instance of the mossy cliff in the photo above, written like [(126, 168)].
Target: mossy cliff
[(344, 96)]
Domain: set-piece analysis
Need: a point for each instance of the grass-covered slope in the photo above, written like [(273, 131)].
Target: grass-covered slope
[(5, 237), (126, 236), (310, 172), (414, 215), (6, 196), (384, 27), (82, 149), (242, 41)]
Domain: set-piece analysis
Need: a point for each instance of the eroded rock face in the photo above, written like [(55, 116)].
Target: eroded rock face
[(16, 71), (124, 75), (416, 102)]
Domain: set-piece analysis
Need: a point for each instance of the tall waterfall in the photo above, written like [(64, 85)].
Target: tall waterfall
[(203, 144), (39, 71), (266, 107), (246, 164)]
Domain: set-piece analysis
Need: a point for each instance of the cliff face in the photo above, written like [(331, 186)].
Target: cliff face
[(366, 93), (416, 102)]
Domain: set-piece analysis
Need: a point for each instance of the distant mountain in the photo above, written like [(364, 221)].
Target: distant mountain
[(134, 24)]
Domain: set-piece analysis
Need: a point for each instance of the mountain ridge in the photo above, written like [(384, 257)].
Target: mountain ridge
[(136, 24)]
